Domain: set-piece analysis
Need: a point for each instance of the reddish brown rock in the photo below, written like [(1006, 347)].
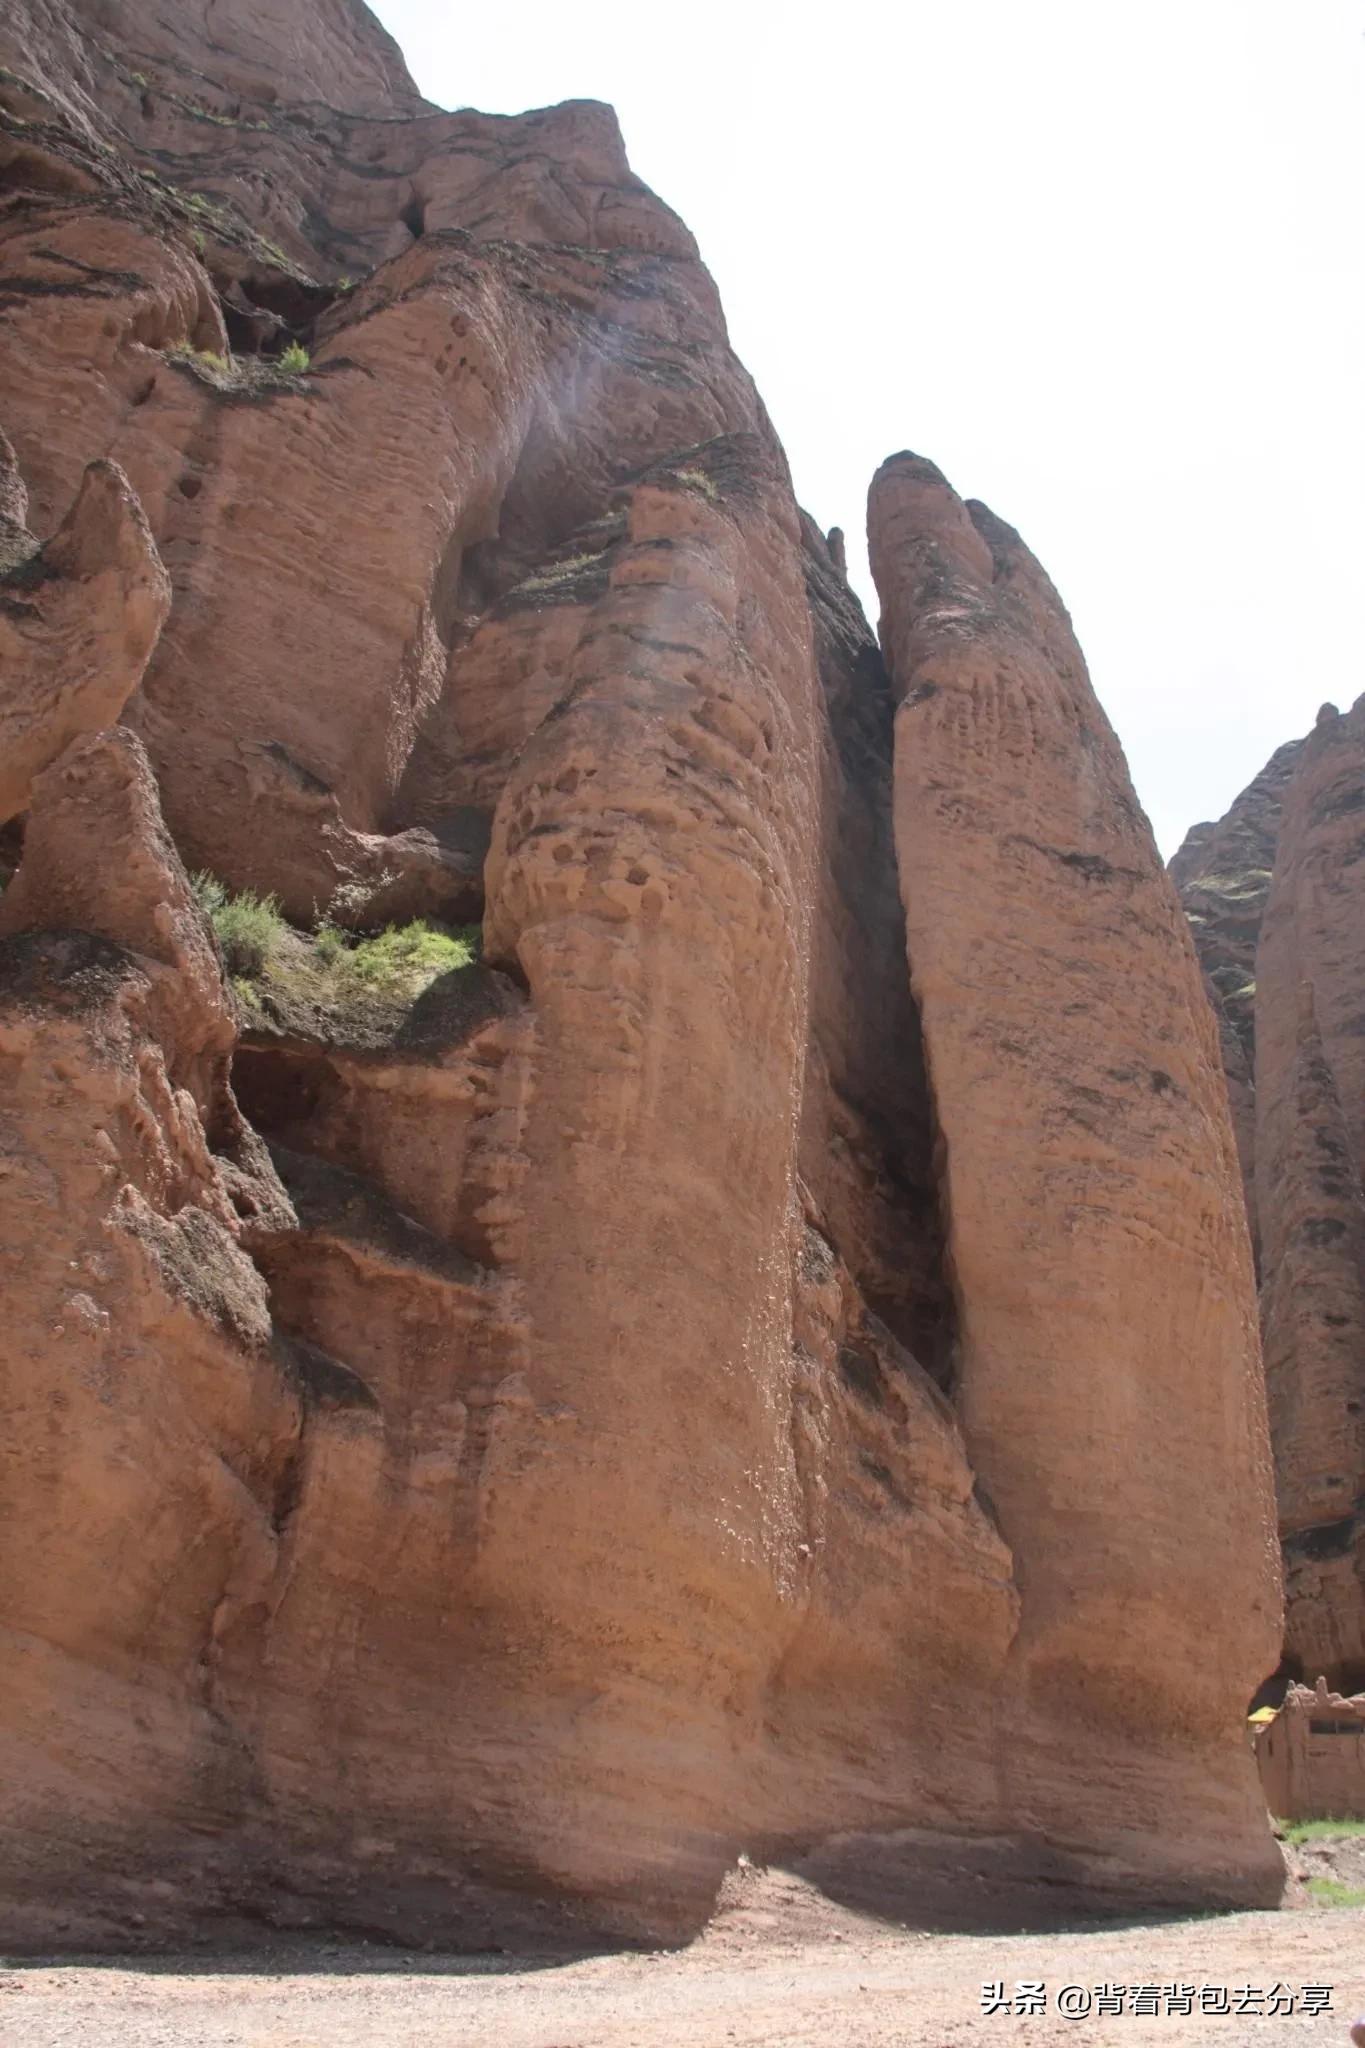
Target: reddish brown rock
[(512, 388), (586, 1445), (1310, 1158), (333, 51), (98, 796), (867, 1137), (1272, 895), (78, 619), (151, 1426), (651, 876), (1105, 1306), (1223, 873)]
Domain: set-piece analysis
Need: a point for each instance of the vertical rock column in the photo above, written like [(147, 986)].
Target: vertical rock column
[(650, 879), (1108, 1373), (1310, 1149), (1223, 873)]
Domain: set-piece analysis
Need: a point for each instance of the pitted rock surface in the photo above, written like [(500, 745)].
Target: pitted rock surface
[(763, 1362), (1273, 896)]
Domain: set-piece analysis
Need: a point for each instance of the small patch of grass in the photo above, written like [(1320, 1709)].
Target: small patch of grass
[(700, 481), (199, 112), (203, 358), (1298, 1831), (402, 959), (250, 375), (1329, 1891), (559, 572), (248, 927), (330, 943), (330, 966)]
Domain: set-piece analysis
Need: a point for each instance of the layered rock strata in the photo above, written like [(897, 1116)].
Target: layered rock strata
[(78, 621), (1273, 894), (1094, 1233), (1223, 872), (515, 1446)]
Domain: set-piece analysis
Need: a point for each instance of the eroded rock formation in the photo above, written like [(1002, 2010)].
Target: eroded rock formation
[(78, 619), (1087, 1171), (1273, 894), (1223, 873), (521, 1444)]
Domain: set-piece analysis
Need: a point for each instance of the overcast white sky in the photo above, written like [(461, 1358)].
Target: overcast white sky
[(1102, 263)]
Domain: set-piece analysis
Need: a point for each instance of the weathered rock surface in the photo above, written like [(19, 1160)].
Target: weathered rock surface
[(78, 620), (521, 1445), (1274, 897), (1223, 873), (1094, 1233), (150, 1428)]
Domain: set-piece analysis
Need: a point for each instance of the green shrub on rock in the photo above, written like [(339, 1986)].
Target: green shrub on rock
[(248, 927)]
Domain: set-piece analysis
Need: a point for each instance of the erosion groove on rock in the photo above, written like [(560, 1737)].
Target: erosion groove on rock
[(1273, 893), (1094, 1228), (763, 1360)]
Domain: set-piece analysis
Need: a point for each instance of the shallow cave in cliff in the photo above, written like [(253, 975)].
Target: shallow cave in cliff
[(266, 311), (281, 1093), (11, 848)]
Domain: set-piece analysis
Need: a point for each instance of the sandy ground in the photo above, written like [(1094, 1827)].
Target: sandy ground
[(780, 1967)]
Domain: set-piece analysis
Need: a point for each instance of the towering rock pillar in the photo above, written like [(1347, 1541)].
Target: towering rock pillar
[(1108, 1375), (489, 1446), (1310, 1161), (649, 880)]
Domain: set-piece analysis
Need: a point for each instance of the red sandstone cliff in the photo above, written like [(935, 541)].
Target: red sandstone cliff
[(765, 1359), (1273, 895)]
